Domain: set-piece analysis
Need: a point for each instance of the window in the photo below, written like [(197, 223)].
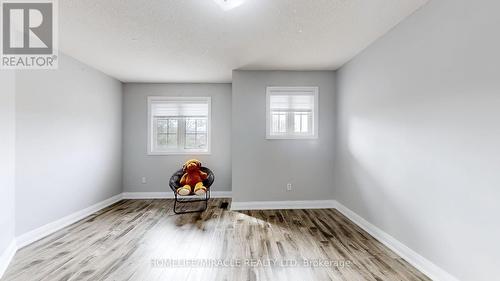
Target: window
[(292, 113), (179, 125)]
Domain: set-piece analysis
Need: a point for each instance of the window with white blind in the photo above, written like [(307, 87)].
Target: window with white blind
[(292, 113), (179, 125)]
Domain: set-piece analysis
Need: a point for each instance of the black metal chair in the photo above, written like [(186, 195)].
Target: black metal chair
[(175, 184)]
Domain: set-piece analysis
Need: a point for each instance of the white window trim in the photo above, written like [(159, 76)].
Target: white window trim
[(150, 150), (291, 91)]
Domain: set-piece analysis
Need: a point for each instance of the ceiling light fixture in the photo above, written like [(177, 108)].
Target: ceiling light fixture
[(227, 5)]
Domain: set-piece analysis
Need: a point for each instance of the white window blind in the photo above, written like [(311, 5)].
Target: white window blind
[(179, 107), (292, 112), (179, 125)]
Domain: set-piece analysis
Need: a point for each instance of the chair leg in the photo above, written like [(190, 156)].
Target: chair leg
[(207, 197)]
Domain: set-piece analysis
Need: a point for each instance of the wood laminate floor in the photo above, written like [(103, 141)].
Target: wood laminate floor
[(143, 240)]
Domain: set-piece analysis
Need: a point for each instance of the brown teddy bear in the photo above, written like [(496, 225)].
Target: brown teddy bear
[(192, 180)]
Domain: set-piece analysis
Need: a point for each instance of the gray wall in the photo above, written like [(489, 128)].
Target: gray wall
[(68, 147), (158, 169), (262, 168), (7, 159), (419, 121)]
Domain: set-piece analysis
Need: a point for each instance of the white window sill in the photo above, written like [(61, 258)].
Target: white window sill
[(291, 137), (164, 153)]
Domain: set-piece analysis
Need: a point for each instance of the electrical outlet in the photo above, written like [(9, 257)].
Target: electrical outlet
[(288, 187), (144, 180)]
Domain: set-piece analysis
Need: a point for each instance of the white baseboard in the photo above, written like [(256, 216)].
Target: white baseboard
[(169, 195), (221, 194), (424, 265), (274, 205), (7, 256), (43, 231)]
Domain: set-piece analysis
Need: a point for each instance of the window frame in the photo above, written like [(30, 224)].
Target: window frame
[(151, 130), (313, 91)]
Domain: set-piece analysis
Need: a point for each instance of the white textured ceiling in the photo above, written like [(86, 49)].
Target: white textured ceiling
[(196, 41)]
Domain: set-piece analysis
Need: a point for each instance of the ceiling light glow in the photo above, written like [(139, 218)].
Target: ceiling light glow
[(227, 5)]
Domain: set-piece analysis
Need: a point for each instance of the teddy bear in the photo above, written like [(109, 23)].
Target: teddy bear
[(192, 180)]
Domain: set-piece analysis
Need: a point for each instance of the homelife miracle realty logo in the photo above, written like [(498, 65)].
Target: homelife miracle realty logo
[(29, 34)]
